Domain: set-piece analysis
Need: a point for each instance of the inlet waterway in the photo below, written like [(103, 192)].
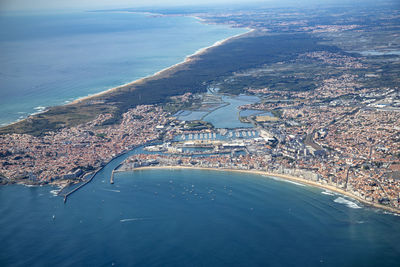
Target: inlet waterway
[(225, 116), (228, 115)]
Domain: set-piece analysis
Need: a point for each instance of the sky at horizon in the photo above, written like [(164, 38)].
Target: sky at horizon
[(16, 5), (29, 5)]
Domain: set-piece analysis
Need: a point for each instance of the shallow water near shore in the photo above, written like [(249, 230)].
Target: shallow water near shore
[(52, 59), (193, 217)]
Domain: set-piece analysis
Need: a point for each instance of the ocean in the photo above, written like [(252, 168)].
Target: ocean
[(48, 60), (192, 218)]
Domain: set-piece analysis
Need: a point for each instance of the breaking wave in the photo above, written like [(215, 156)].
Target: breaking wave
[(347, 202), (327, 192), (288, 181)]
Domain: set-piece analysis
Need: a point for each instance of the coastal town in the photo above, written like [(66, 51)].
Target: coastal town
[(71, 153), (200, 133), (354, 149), (329, 122), (357, 153)]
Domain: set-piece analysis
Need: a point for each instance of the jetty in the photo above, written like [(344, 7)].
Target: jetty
[(81, 185), (112, 173), (112, 177)]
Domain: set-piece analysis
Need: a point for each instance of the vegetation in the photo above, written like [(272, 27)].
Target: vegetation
[(198, 125), (194, 76), (56, 118), (101, 135), (265, 118), (277, 113)]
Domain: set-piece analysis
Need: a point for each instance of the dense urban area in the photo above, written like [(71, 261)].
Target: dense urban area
[(334, 114)]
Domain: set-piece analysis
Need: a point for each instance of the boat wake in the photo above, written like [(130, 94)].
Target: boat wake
[(347, 202), (132, 219), (112, 190)]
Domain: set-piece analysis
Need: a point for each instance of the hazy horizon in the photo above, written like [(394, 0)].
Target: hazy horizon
[(58, 5)]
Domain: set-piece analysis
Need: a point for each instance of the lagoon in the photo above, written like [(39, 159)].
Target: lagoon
[(228, 115)]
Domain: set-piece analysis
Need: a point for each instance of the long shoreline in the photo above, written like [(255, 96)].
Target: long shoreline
[(187, 59), (271, 175), (155, 75)]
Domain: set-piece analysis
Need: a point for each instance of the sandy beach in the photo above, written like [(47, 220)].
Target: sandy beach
[(162, 72), (270, 175)]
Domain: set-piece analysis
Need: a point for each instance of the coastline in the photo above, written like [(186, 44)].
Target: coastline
[(156, 75), (270, 175), (159, 74)]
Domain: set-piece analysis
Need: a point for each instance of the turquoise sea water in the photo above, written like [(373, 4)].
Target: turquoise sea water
[(48, 60)]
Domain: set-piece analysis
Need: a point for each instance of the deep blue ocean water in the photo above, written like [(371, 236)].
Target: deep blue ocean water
[(49, 60), (192, 218)]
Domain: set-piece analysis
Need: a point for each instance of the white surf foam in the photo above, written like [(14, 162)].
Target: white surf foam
[(288, 181), (29, 185), (39, 108), (327, 192), (54, 192), (347, 202), (391, 213)]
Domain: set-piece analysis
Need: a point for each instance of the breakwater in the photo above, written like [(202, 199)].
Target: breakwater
[(113, 171), (81, 185), (119, 158)]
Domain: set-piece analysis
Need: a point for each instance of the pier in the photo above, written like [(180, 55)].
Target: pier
[(112, 173), (81, 185), (213, 135), (89, 180), (112, 177)]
